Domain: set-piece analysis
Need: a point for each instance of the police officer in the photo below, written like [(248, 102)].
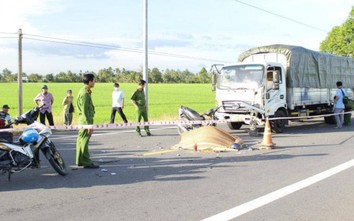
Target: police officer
[(138, 100), (86, 112)]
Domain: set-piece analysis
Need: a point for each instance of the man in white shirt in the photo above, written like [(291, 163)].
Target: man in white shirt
[(339, 105), (117, 103)]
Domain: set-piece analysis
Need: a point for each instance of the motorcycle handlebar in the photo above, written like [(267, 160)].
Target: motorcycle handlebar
[(29, 116)]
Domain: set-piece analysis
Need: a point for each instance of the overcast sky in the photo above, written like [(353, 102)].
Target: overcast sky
[(188, 34)]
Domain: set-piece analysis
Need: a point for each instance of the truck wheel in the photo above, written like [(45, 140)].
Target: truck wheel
[(330, 120), (234, 125), (278, 125)]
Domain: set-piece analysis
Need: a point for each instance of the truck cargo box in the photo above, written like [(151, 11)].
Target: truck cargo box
[(309, 69)]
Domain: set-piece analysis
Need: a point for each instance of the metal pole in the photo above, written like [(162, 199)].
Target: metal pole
[(19, 77), (145, 45)]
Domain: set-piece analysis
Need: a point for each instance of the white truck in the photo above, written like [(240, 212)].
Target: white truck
[(279, 81)]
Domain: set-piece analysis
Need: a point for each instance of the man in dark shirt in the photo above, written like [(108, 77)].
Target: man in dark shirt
[(4, 115)]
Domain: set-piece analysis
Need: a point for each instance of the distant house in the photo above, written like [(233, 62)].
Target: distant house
[(25, 79)]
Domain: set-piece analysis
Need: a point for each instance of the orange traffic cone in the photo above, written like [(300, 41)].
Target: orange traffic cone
[(267, 142)]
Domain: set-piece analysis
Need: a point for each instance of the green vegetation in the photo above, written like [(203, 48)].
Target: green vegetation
[(164, 99), (340, 41), (112, 75)]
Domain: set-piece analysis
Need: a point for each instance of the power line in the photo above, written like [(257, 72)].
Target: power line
[(82, 43), (8, 33), (112, 47), (281, 16)]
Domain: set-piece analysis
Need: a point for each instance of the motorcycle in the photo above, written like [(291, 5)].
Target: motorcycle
[(187, 114), (24, 153)]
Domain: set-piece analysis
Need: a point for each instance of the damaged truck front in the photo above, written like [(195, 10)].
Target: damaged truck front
[(279, 81)]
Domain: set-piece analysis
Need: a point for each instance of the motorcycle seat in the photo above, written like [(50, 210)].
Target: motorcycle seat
[(192, 114)]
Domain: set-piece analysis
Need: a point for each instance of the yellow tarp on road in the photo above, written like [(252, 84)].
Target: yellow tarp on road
[(208, 138)]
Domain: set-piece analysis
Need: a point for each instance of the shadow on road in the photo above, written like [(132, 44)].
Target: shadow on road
[(122, 168), (125, 164)]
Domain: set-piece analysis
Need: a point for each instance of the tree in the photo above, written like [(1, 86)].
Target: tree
[(156, 76), (61, 77), (34, 77), (166, 77), (72, 77), (189, 77), (7, 76), (340, 40), (204, 76), (176, 76), (137, 75), (49, 77), (105, 75), (118, 75)]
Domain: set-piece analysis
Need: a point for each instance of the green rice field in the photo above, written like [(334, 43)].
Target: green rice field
[(164, 99)]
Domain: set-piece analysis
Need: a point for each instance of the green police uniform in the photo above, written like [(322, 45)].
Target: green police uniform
[(139, 98), (86, 112)]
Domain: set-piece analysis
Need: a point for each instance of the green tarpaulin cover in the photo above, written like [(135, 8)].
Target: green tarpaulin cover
[(311, 69)]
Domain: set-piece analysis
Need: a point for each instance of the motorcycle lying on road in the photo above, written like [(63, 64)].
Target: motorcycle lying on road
[(24, 153), (186, 114)]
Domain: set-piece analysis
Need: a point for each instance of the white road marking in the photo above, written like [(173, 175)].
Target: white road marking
[(266, 199)]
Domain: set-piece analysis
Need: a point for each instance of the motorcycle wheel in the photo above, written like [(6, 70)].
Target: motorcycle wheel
[(55, 159)]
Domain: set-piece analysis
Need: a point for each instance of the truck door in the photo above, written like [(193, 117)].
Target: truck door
[(275, 95)]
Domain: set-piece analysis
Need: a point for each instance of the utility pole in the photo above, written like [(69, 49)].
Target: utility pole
[(145, 45), (19, 77)]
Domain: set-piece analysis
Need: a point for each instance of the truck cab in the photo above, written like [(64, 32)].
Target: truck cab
[(279, 81), (248, 93)]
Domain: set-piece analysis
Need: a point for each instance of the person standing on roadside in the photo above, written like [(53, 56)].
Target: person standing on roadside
[(339, 105), (86, 112), (4, 121), (117, 103), (138, 100), (68, 108), (45, 98)]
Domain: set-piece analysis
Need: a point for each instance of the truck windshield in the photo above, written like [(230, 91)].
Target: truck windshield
[(241, 76)]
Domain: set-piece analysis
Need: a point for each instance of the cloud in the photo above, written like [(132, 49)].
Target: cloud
[(221, 35), (15, 14)]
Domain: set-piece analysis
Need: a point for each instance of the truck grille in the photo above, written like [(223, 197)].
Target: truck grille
[(234, 106)]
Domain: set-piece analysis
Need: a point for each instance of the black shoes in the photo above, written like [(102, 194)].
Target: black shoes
[(92, 166), (147, 134)]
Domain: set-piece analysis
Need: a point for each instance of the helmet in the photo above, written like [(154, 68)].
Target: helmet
[(235, 146), (30, 136)]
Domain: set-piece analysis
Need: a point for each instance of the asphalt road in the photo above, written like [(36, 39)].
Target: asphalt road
[(142, 179)]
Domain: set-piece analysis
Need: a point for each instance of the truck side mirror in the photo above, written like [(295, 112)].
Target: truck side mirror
[(213, 81), (276, 80)]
